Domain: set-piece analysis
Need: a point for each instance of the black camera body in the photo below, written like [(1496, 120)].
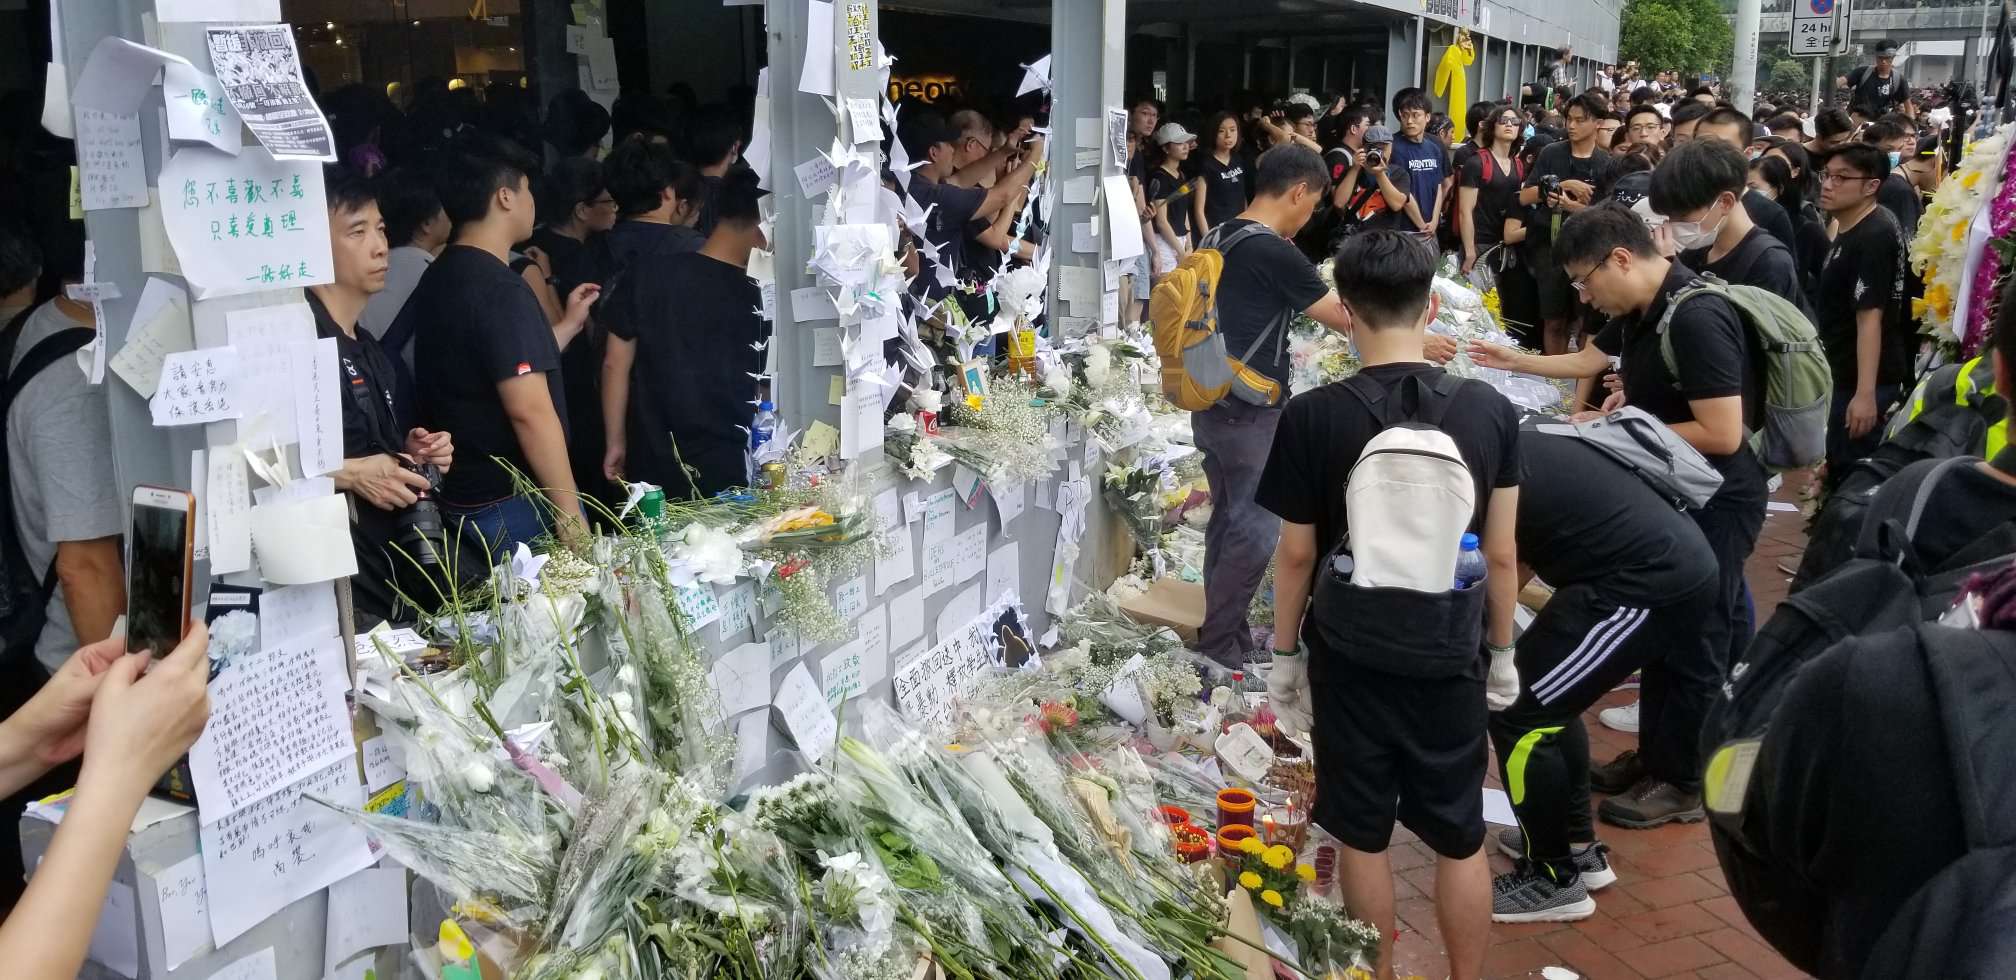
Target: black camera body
[(421, 532), (1550, 185)]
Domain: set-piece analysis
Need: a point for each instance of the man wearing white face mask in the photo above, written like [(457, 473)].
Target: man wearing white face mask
[(1699, 187)]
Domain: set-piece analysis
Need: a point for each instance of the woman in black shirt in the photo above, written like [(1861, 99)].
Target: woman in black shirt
[(1223, 175), (1487, 195), (1168, 190)]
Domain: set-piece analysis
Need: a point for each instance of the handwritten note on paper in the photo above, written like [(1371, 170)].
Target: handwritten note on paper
[(302, 541), (297, 612), (112, 169), (851, 597), (807, 718), (938, 526), (185, 910), (814, 303), (265, 338), (821, 439), (318, 416), (785, 647), (901, 562), (1010, 498), (1004, 571), (816, 176), (840, 673), (928, 685), (969, 553), (366, 910), (198, 386), (228, 511), (742, 678), (198, 110), (245, 223), (906, 618), (937, 567), (261, 857), (164, 331), (874, 640), (861, 417), (825, 343), (697, 604), (274, 716), (381, 769), (738, 610)]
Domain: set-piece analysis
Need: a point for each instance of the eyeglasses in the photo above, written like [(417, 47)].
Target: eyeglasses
[(1581, 282), (1511, 121), (1836, 177)]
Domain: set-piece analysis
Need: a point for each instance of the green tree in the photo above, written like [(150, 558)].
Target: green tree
[(1687, 36)]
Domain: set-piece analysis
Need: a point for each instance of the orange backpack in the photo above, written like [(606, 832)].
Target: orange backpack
[(1197, 370)]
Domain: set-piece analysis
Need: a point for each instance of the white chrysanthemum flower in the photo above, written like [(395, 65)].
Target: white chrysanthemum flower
[(235, 634), (710, 554)]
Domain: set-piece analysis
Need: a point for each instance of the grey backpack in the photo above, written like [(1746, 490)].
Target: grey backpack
[(1646, 447)]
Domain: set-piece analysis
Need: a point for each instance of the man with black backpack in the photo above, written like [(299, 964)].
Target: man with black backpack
[(1711, 394), (1699, 188), (1396, 711)]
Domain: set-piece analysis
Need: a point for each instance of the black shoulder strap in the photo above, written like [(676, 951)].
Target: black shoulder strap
[(1390, 406), (46, 351), (40, 357), (1891, 522)]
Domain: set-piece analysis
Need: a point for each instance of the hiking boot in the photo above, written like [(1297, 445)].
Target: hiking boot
[(1652, 803), (1624, 719), (1530, 895), (1592, 860), (1618, 774)]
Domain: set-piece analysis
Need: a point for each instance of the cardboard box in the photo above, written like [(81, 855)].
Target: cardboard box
[(1170, 602)]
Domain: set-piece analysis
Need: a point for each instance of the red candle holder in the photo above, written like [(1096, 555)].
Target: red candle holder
[(1229, 836), (1235, 806), (1173, 815), (1192, 843)]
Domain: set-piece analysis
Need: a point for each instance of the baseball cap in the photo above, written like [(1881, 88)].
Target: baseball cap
[(1378, 134), (1886, 49), (1173, 133)]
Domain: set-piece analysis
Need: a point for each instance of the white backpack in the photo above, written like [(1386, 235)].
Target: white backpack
[(1410, 496)]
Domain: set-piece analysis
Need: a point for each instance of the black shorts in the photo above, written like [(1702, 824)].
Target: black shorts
[(1390, 746), (1556, 293)]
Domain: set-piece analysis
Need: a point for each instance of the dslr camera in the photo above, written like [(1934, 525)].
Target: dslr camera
[(421, 533), (1550, 186)]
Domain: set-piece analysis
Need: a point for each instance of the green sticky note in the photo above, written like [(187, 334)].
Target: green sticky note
[(822, 439), (76, 197), (580, 13), (836, 393)]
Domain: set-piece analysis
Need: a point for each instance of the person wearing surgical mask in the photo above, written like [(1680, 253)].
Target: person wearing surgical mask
[(1699, 188)]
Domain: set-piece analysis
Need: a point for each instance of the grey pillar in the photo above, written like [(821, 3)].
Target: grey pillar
[(1293, 50), (1483, 45), (1088, 63), (1245, 64), (1189, 63), (1403, 57)]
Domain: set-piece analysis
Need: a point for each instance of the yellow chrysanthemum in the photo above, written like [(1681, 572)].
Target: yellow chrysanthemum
[(1251, 845), (1305, 872), (1248, 880), (1279, 857), (1271, 897), (1968, 180)]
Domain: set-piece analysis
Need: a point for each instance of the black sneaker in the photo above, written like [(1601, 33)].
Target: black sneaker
[(1530, 895), (1652, 803), (1618, 774), (1593, 860)]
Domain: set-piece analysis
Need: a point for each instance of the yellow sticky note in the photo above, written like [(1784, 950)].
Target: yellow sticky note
[(580, 13), (822, 439), (836, 393), (76, 197)]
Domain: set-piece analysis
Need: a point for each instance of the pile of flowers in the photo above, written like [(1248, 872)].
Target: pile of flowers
[(1959, 277)]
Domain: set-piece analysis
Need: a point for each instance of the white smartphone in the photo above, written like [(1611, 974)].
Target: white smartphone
[(160, 564)]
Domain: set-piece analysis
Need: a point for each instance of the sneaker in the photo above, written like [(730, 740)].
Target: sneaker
[(1529, 895), (1592, 860), (1631, 684), (1624, 719), (1652, 803), (1618, 774)]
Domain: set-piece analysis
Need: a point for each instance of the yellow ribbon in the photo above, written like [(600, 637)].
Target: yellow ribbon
[(1452, 85)]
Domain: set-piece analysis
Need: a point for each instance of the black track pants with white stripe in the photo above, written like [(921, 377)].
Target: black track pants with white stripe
[(1579, 647)]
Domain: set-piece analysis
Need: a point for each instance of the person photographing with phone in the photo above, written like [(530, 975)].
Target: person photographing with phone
[(390, 470)]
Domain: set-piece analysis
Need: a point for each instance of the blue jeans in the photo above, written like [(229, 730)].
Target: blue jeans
[(502, 525)]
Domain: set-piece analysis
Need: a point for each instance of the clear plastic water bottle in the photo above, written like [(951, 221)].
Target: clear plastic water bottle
[(1470, 567), (764, 426)]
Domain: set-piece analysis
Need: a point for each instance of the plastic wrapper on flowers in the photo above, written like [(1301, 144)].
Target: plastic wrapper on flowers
[(1947, 252)]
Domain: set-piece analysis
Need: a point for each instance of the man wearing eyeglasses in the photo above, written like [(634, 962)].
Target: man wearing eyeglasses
[(1861, 315)]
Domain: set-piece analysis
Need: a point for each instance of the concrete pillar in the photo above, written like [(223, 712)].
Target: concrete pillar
[(1189, 63), (1293, 50), (1088, 61), (1403, 58), (1246, 64)]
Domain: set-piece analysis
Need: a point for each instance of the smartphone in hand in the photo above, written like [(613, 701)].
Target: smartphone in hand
[(160, 567)]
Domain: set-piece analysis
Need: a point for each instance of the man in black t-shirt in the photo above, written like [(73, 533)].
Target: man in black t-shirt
[(1388, 744), (1876, 88), (1898, 139), (1862, 315), (486, 360), (1712, 403), (944, 184), (1699, 188), (1735, 129), (377, 448), (1632, 578), (1582, 171), (676, 381)]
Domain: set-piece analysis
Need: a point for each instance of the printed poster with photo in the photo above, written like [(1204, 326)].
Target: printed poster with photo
[(260, 69)]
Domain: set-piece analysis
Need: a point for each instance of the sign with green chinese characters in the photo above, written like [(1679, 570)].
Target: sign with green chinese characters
[(198, 110), (246, 223)]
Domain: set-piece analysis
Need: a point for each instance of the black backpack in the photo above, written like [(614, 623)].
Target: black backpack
[(24, 591)]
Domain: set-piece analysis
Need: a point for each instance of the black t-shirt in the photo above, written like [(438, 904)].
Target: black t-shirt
[(1714, 353), (1766, 214), (1497, 195), (1558, 159), (1865, 271), (1964, 507), (1900, 198), (1583, 518), (1174, 188), (945, 229), (710, 208), (1226, 188), (1760, 260), (566, 256), (1879, 94), (476, 326), (1264, 277), (371, 426), (1323, 431), (690, 386)]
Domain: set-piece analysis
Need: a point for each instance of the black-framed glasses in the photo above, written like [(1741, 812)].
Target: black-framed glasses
[(1836, 177), (1581, 282)]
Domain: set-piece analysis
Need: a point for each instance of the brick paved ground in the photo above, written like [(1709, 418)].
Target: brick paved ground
[(1668, 915)]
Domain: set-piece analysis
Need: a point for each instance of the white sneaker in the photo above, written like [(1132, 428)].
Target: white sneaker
[(1624, 719)]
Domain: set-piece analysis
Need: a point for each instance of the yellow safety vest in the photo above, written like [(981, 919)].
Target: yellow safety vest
[(1974, 387)]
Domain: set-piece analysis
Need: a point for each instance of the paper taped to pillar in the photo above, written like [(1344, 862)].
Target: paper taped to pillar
[(245, 223), (260, 70), (304, 541)]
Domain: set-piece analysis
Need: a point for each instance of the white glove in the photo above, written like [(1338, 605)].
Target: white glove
[(1501, 688), (1288, 692)]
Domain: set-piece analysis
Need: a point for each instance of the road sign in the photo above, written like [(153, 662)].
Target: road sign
[(1812, 27)]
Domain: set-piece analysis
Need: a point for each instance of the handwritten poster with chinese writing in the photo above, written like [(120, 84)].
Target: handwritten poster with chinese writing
[(111, 169), (198, 386), (261, 857), (198, 110), (929, 684), (275, 716), (246, 223), (261, 73)]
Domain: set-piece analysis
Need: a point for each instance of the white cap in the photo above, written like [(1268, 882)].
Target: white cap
[(1173, 133)]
